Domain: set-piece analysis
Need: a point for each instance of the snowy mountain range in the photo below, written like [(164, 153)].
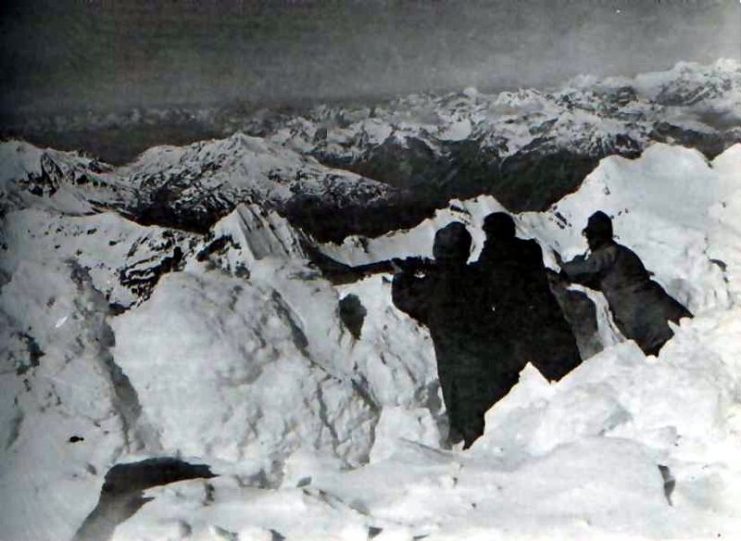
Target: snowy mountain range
[(169, 316), (526, 147)]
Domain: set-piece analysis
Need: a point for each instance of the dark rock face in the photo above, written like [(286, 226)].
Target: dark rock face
[(141, 278), (534, 181), (531, 180), (166, 209), (410, 165), (710, 144), (329, 222)]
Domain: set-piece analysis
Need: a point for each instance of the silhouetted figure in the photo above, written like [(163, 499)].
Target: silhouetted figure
[(640, 307), (449, 296), (528, 311)]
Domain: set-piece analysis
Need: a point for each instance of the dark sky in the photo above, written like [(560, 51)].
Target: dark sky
[(62, 54)]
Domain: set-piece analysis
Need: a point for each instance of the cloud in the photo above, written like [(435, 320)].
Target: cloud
[(63, 54)]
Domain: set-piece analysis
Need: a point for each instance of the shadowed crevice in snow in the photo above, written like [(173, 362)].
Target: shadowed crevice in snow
[(215, 246), (143, 278), (276, 536), (301, 342), (324, 417), (34, 353), (297, 333), (669, 482), (14, 431), (122, 494)]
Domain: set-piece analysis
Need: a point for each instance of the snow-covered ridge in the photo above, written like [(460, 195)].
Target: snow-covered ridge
[(63, 181), (487, 142), (187, 187), (635, 103), (695, 87)]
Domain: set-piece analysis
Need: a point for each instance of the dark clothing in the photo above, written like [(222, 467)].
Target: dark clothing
[(474, 368), (640, 306), (529, 312)]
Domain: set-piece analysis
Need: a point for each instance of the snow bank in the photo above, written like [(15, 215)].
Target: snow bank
[(620, 449), (661, 207)]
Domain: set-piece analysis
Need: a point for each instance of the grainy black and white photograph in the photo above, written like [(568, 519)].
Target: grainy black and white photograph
[(370, 270)]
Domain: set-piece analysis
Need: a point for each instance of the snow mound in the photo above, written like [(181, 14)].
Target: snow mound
[(662, 207), (622, 448), (208, 347)]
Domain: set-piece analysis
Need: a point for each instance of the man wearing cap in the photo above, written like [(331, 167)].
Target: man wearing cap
[(640, 307), (473, 358), (529, 312)]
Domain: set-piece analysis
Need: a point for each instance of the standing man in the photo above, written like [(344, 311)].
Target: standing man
[(529, 312), (474, 361)]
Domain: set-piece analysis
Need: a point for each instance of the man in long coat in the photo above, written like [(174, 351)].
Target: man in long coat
[(529, 311), (640, 307)]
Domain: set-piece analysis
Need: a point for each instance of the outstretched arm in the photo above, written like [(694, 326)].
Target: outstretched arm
[(587, 270), (411, 294)]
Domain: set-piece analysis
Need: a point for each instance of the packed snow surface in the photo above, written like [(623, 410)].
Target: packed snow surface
[(234, 355)]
